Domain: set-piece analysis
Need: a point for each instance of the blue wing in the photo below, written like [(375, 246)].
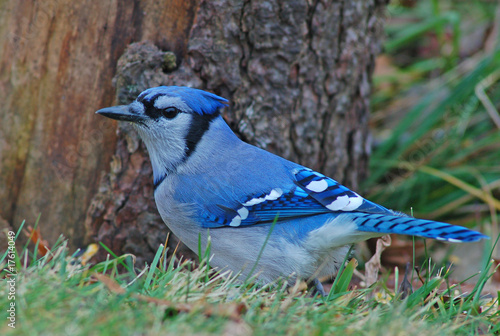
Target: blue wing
[(313, 194), (334, 196), (316, 194), (263, 208)]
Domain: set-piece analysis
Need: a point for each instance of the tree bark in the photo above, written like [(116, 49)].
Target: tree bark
[(297, 74)]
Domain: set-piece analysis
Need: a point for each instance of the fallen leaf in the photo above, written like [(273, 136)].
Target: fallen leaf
[(229, 310), (373, 266), (36, 236)]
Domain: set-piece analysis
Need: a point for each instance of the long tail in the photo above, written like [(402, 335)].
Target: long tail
[(416, 227)]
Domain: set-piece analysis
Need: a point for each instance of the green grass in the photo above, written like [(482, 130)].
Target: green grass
[(56, 297)]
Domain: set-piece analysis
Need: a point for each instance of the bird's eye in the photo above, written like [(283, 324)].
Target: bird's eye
[(170, 112)]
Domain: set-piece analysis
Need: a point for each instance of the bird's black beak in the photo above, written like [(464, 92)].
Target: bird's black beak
[(121, 112)]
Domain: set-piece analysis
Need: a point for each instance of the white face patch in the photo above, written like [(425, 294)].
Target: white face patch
[(317, 186), (165, 140), (339, 203), (163, 102), (137, 107)]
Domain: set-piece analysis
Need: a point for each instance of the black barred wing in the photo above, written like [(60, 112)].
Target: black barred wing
[(264, 208), (333, 195)]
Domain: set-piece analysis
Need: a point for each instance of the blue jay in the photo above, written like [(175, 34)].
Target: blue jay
[(210, 183)]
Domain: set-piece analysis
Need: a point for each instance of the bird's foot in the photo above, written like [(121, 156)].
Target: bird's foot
[(315, 287)]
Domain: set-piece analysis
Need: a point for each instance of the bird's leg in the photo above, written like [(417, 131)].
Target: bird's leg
[(406, 288), (315, 287)]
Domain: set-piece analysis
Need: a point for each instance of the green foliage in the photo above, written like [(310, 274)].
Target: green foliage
[(56, 296), (342, 281), (437, 141)]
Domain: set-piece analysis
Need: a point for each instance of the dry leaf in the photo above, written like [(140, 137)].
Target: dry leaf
[(230, 310), (111, 284), (90, 251), (372, 267), (35, 236)]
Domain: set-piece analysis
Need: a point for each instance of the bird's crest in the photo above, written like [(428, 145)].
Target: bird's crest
[(200, 102)]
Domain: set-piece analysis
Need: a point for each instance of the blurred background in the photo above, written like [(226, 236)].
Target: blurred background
[(436, 124)]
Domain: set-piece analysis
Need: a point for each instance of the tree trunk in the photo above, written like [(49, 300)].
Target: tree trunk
[(297, 74)]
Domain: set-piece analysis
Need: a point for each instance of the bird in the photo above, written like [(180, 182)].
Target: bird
[(262, 216)]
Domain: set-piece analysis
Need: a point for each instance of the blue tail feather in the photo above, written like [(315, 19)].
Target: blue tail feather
[(415, 227)]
